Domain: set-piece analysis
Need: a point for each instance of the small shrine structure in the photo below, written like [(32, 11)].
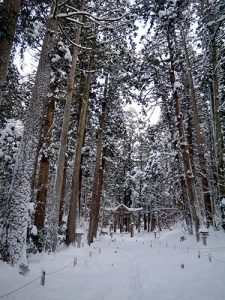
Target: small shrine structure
[(124, 218)]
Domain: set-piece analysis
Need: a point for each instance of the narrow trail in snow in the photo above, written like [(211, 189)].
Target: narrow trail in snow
[(133, 286)]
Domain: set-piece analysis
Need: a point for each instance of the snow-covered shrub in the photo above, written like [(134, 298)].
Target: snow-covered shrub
[(10, 138)]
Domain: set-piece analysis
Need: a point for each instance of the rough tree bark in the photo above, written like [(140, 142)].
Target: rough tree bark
[(189, 177), (13, 236), (39, 217), (99, 190), (98, 172), (72, 217), (184, 204), (217, 117), (63, 137), (199, 140), (63, 194)]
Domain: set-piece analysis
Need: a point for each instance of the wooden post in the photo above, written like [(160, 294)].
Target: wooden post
[(132, 229), (145, 222), (75, 261), (139, 222), (210, 257), (115, 224), (43, 278), (149, 222)]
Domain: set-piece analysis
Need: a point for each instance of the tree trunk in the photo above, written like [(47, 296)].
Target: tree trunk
[(149, 220), (99, 190), (199, 141), (13, 236), (178, 165), (191, 189), (63, 194), (98, 173), (145, 221), (72, 217), (39, 217), (153, 221), (63, 137), (81, 92), (8, 22), (186, 205), (217, 119)]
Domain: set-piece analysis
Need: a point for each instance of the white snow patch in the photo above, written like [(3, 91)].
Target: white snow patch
[(34, 230), (177, 85), (55, 58), (142, 267), (162, 13)]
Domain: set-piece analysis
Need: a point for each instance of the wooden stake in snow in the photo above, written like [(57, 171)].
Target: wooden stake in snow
[(75, 261), (199, 253), (99, 250), (90, 254), (43, 278), (210, 257), (132, 229)]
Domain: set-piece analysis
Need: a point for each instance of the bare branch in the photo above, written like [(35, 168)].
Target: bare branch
[(91, 17), (64, 3), (75, 21), (65, 15), (74, 44), (72, 8), (55, 9)]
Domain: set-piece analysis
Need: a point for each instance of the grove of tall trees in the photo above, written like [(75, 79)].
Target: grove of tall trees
[(80, 133)]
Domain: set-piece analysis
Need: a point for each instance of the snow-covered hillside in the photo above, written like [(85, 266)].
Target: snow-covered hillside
[(122, 268)]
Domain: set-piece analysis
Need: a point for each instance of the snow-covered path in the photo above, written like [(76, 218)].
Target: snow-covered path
[(124, 268)]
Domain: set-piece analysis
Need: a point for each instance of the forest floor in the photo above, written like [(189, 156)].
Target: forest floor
[(125, 268)]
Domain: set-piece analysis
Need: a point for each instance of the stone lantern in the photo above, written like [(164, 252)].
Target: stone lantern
[(204, 233), (78, 234), (155, 232)]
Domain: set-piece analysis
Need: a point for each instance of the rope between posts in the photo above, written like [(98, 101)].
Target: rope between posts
[(25, 285), (53, 272), (20, 288), (193, 248), (39, 277), (220, 260), (205, 248)]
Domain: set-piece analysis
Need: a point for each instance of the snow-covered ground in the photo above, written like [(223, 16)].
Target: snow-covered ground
[(139, 268)]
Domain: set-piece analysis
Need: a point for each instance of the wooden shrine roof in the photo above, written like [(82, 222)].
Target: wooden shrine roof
[(123, 209)]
